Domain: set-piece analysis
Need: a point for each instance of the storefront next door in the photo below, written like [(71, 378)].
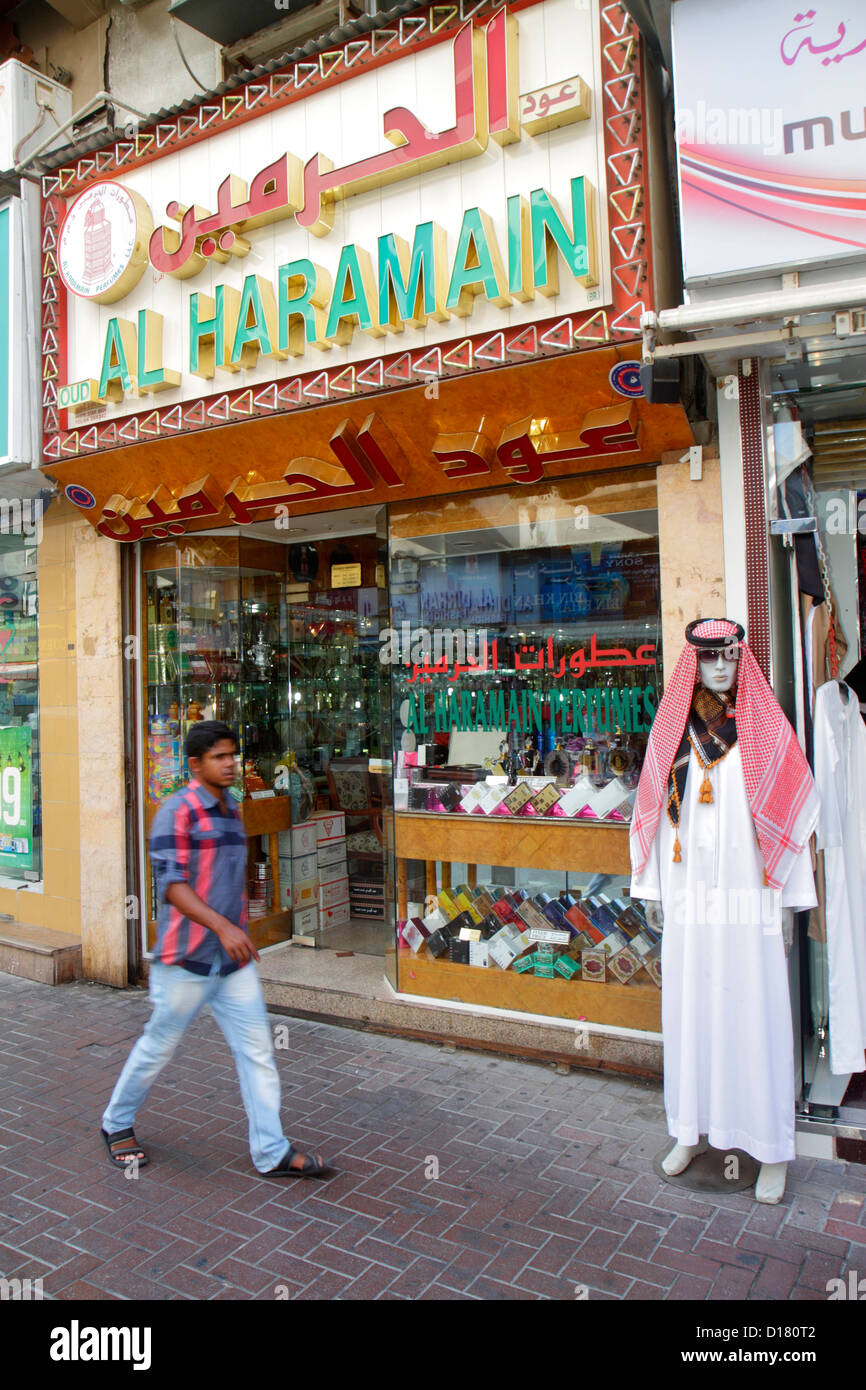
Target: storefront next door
[(276, 632)]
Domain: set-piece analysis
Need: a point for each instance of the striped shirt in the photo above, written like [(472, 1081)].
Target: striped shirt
[(195, 840)]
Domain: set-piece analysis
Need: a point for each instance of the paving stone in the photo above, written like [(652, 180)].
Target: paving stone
[(545, 1182)]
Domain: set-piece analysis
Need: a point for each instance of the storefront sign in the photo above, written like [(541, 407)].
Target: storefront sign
[(258, 294), (584, 710), (272, 253), (769, 134), (16, 799), (362, 457)]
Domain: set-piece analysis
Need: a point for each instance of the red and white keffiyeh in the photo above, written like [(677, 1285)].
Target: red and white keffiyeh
[(779, 785)]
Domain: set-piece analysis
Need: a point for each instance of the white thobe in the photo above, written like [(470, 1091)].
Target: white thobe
[(726, 1009), (840, 775)]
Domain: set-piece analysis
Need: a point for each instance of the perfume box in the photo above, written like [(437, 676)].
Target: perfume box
[(599, 911), (555, 914), (529, 913), (469, 934), (549, 936), (504, 910), (613, 942), (331, 852), (466, 904), (415, 933), (543, 969), (305, 866), (304, 839), (437, 942), (624, 965), (479, 954), (566, 967), (570, 803), (449, 797), (489, 926), (448, 904), (458, 952), (305, 921), (515, 800), (304, 892), (335, 890), (337, 915), (501, 950), (544, 801), (484, 902), (524, 964), (642, 946), (456, 925), (592, 965), (653, 967), (435, 919), (471, 802), (489, 803), (581, 923), (330, 825)]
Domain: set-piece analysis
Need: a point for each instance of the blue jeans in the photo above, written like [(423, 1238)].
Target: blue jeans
[(238, 1006)]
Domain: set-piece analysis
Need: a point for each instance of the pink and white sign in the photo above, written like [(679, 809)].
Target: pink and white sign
[(771, 127)]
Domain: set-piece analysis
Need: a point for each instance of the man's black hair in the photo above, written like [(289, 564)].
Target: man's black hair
[(204, 734)]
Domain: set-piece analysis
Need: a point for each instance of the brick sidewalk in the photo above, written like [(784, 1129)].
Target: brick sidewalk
[(545, 1181)]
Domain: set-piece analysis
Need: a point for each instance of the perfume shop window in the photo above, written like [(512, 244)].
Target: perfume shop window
[(526, 673)]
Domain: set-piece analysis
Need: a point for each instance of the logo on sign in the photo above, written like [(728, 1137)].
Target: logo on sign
[(625, 379), (102, 252)]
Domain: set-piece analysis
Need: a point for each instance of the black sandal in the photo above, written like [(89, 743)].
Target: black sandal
[(312, 1167), (131, 1153)]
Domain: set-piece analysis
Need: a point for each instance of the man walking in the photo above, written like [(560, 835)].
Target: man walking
[(204, 955)]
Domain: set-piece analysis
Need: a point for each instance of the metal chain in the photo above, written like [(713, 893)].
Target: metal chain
[(824, 564)]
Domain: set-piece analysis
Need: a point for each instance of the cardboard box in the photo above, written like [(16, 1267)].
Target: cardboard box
[(305, 921), (332, 852), (303, 839), (335, 916), (333, 890), (304, 866), (330, 825), (304, 892)]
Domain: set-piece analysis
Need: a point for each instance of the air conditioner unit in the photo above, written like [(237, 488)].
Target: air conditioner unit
[(31, 106)]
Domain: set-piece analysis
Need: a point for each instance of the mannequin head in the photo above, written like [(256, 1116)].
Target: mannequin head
[(718, 668)]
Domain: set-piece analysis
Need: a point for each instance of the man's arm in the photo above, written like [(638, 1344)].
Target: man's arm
[(235, 942)]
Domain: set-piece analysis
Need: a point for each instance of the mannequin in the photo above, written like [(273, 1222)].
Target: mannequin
[(719, 839)]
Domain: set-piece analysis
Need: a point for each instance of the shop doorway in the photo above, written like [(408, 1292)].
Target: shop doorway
[(819, 448), (276, 631)]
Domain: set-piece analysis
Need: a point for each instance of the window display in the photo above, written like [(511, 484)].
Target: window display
[(20, 805), (526, 673)]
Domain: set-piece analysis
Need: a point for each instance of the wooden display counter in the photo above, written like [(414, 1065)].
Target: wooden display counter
[(268, 815), (539, 842), (634, 1005)]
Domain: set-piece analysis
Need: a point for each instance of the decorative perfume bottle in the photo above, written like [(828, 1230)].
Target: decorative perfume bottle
[(97, 243)]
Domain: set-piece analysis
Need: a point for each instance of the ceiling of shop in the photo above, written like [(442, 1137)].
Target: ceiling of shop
[(828, 389)]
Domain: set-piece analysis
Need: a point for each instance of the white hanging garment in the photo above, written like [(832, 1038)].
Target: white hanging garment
[(840, 776)]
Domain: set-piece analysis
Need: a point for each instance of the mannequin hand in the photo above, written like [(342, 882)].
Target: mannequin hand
[(654, 915)]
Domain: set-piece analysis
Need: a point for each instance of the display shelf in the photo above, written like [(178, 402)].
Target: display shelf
[(635, 1005)]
